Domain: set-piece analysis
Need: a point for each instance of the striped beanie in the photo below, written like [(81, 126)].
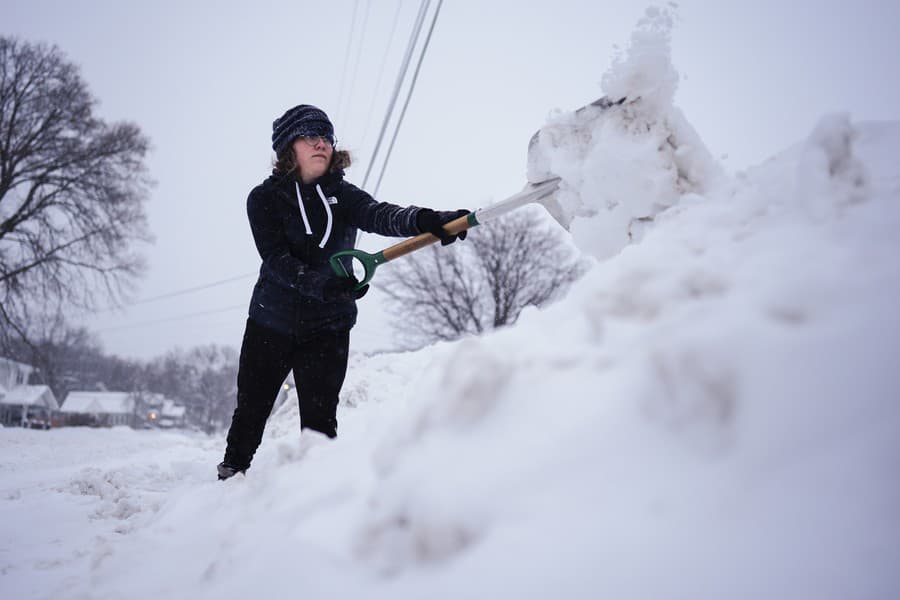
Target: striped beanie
[(303, 119)]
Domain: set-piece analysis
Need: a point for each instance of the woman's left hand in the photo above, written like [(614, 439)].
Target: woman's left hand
[(430, 221)]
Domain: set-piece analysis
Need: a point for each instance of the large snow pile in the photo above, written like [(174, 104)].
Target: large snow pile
[(711, 413)]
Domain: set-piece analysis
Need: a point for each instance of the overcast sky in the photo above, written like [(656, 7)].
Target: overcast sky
[(204, 80)]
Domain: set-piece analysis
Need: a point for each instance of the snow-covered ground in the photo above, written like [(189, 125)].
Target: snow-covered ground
[(712, 412)]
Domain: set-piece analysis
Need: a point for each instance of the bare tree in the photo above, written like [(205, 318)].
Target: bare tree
[(71, 358), (203, 378), (483, 283), (72, 189), (217, 368)]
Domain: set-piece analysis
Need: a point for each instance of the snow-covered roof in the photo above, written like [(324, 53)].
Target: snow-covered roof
[(30, 395), (112, 403)]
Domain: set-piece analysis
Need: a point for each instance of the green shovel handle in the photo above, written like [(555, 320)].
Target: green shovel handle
[(369, 262)]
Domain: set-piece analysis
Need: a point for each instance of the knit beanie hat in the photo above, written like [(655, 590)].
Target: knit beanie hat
[(302, 120)]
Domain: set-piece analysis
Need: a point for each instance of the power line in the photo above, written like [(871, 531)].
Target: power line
[(409, 94), (176, 293), (381, 74), (346, 61), (193, 289), (398, 84), (417, 28), (358, 330), (177, 318), (359, 47)]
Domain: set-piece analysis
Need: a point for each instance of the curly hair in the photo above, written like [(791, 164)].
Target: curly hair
[(286, 162)]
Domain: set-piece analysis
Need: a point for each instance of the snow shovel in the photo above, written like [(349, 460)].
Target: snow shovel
[(540, 193), (540, 189)]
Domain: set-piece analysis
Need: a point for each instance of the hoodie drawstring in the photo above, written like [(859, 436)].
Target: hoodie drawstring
[(306, 219), (327, 212), (302, 210)]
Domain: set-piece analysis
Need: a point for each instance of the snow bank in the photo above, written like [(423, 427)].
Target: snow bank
[(710, 413), (716, 406)]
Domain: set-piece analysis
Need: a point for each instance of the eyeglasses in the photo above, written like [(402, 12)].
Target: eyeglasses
[(313, 140)]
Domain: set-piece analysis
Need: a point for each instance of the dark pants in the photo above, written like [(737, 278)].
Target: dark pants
[(319, 363)]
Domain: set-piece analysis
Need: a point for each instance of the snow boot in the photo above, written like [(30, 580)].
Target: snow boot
[(225, 471)]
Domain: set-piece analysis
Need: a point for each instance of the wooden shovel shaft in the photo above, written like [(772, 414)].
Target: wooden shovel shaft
[(426, 239)]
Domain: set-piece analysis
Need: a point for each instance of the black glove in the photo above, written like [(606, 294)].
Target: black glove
[(430, 221), (341, 289)]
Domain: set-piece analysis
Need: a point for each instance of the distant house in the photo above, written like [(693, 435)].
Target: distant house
[(99, 409), (21, 404), (13, 374), (28, 406), (147, 408), (172, 415), (155, 410)]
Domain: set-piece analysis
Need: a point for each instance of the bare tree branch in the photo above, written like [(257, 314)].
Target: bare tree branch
[(483, 283), (72, 191)]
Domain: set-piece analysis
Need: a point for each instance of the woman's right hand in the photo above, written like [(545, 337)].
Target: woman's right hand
[(342, 289)]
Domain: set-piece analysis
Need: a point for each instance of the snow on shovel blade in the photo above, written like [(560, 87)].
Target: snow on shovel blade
[(568, 129)]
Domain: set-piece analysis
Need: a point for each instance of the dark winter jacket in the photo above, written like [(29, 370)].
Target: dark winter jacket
[(297, 228)]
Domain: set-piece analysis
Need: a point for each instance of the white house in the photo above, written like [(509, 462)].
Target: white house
[(104, 409), (155, 410), (172, 415), (13, 374), (28, 406)]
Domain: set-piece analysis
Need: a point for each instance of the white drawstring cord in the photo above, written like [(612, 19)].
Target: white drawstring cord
[(303, 210), (330, 218)]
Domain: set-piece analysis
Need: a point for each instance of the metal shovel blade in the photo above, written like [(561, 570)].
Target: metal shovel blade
[(543, 193)]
